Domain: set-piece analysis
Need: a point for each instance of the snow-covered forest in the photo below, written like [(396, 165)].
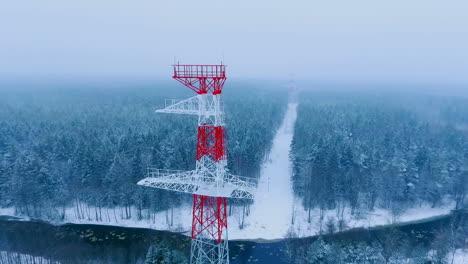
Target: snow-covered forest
[(390, 246), (86, 147), (332, 162), (359, 151)]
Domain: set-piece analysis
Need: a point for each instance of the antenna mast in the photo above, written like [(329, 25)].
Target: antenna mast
[(210, 183)]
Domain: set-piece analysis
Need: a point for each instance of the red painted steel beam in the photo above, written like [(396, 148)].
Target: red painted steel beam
[(201, 79), (209, 215)]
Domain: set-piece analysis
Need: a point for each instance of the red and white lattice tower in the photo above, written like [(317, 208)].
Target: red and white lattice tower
[(210, 183)]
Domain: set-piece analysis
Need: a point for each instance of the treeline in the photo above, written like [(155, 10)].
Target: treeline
[(64, 145), (429, 243), (361, 150)]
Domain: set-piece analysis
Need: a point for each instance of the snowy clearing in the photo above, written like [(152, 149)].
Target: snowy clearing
[(460, 257), (270, 214)]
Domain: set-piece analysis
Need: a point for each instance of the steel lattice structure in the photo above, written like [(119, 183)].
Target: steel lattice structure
[(210, 183)]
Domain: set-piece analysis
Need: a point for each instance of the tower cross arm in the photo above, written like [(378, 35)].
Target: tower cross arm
[(194, 183), (205, 105), (190, 106), (172, 180), (243, 187)]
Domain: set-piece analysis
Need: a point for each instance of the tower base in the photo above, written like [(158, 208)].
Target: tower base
[(209, 251), (209, 230)]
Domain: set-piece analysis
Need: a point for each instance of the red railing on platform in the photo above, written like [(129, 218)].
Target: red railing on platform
[(199, 71)]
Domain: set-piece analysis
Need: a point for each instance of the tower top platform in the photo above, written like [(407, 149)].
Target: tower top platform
[(202, 79), (199, 71)]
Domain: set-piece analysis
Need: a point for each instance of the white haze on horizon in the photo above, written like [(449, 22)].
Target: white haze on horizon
[(419, 40)]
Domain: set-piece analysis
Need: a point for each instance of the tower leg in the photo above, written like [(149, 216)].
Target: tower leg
[(209, 230)]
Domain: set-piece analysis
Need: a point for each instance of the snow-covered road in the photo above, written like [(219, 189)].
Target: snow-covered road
[(270, 214)]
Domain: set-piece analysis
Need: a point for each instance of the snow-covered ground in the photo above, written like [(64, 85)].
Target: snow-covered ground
[(460, 257), (264, 227), (377, 217), (273, 208)]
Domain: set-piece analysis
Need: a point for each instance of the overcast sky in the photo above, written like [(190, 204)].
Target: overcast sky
[(399, 40)]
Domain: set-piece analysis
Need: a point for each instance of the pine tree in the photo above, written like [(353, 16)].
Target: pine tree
[(367, 255), (318, 252), (161, 253), (154, 255), (137, 169)]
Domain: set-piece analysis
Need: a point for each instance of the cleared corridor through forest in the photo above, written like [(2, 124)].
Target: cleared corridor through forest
[(271, 212)]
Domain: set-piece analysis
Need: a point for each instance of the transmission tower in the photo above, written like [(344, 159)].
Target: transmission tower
[(210, 183)]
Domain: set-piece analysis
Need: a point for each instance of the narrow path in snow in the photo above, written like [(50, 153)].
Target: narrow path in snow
[(271, 212)]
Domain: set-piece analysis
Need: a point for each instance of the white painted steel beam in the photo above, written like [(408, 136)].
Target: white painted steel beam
[(230, 186)]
